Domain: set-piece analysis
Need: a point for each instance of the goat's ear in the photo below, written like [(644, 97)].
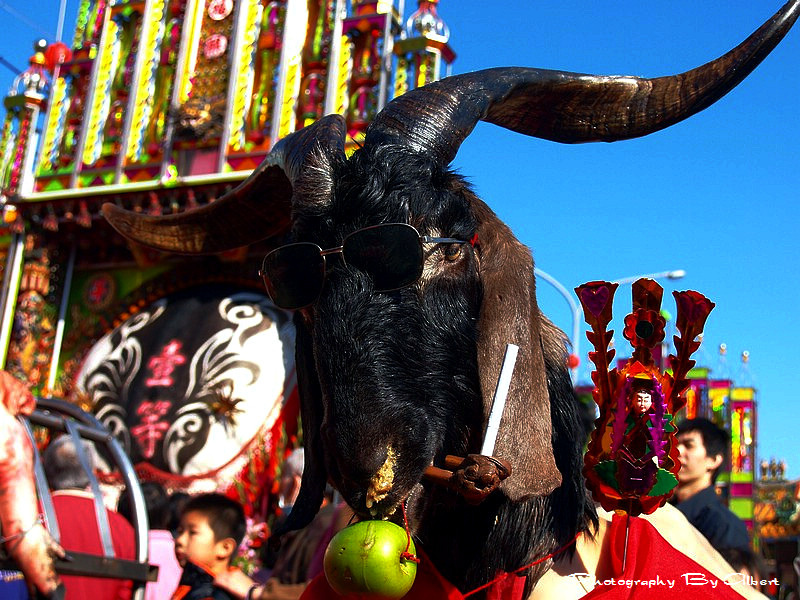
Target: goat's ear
[(315, 476), (509, 314)]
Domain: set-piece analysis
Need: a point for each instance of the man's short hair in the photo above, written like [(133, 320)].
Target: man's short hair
[(62, 466), (716, 440), (225, 515)]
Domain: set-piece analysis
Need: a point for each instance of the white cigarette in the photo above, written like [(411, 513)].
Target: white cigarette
[(499, 400)]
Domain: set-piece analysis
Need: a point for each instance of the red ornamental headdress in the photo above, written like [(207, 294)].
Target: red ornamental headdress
[(631, 463)]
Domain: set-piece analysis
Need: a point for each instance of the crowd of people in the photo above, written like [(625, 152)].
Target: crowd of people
[(193, 540)]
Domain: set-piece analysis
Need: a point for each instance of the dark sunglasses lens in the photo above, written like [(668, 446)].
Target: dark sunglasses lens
[(390, 254), (294, 275)]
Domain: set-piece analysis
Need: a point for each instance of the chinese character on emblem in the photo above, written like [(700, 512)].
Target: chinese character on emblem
[(162, 366), (219, 9), (215, 46)]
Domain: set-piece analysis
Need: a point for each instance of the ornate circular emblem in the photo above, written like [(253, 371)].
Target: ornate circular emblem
[(219, 9), (100, 292), (215, 45)]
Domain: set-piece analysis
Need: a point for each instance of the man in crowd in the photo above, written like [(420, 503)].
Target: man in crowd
[(703, 448), (77, 520)]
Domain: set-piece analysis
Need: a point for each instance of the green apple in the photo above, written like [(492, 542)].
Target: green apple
[(365, 560)]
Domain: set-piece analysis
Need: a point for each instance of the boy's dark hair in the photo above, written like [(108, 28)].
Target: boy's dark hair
[(225, 515), (716, 440)]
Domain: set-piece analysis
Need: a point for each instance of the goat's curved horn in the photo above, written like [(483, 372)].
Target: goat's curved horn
[(243, 215), (567, 107)]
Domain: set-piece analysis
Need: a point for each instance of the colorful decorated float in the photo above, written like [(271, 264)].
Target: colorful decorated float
[(777, 518), (160, 106)]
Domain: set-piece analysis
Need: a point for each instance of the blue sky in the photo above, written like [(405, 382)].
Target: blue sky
[(715, 195)]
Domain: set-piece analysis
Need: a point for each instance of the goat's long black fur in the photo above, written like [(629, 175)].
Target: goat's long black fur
[(407, 375), (504, 535)]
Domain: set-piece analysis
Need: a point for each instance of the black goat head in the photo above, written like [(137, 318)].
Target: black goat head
[(391, 381)]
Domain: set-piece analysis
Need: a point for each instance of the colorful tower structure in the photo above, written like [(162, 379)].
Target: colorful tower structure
[(161, 106), (424, 51), (777, 513), (732, 406)]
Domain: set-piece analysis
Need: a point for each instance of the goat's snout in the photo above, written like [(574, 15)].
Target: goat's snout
[(358, 473), (365, 476), (354, 460)]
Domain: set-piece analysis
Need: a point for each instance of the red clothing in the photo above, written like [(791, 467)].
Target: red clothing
[(77, 522), (428, 585), (650, 566)]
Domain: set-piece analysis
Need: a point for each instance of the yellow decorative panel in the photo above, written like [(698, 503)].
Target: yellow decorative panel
[(143, 103), (107, 63)]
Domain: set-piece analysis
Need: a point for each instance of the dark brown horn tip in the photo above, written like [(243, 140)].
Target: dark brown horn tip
[(567, 107)]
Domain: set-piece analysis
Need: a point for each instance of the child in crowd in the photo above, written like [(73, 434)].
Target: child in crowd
[(211, 528)]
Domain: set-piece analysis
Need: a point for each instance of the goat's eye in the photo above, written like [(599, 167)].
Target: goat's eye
[(452, 252)]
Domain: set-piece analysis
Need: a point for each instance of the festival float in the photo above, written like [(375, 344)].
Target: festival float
[(777, 517), (161, 106)]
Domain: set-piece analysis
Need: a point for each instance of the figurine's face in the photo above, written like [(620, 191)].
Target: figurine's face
[(642, 401)]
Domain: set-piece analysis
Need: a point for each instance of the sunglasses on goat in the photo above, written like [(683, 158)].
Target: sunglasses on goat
[(391, 254)]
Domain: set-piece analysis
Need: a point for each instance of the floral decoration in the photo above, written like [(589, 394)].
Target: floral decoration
[(644, 328)]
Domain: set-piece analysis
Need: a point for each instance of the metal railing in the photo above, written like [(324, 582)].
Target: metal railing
[(60, 416)]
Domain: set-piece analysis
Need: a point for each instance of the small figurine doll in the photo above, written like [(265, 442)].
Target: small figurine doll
[(632, 459)]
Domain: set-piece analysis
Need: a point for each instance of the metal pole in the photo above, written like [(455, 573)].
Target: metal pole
[(576, 314), (10, 292), (62, 316), (675, 274), (61, 10)]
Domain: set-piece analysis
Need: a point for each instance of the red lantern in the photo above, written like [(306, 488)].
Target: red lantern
[(56, 54), (573, 361)]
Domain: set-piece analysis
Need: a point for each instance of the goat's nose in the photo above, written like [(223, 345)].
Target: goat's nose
[(358, 467), (358, 458)]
